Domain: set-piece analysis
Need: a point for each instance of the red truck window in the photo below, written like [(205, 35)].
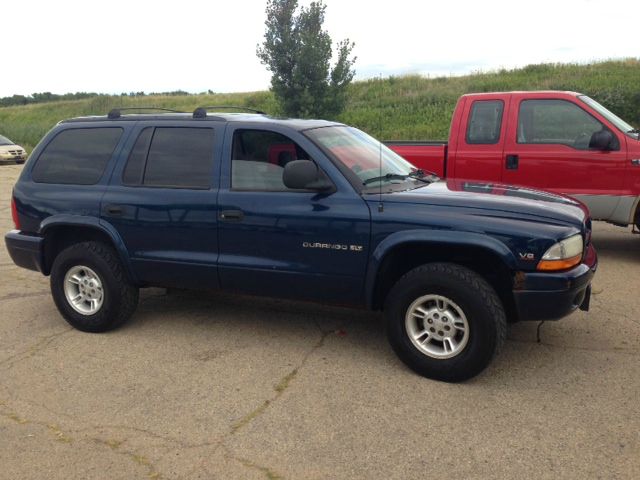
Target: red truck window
[(485, 122), (556, 122)]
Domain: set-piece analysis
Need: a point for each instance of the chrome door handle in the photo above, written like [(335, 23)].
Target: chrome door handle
[(635, 162), (231, 215)]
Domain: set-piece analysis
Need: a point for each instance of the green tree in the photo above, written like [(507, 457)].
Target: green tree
[(297, 51)]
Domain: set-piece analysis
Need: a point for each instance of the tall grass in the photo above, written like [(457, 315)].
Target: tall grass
[(408, 107)]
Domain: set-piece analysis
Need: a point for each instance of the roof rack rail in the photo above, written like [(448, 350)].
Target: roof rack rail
[(115, 113), (201, 112)]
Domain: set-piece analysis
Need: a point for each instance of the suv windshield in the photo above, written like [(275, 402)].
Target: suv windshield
[(374, 164), (5, 141), (620, 124)]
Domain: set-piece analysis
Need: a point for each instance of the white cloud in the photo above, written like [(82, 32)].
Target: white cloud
[(121, 46)]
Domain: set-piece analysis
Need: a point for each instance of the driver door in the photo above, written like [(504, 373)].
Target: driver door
[(547, 147), (282, 242)]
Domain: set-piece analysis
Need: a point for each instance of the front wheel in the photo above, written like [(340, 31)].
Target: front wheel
[(90, 288), (445, 321)]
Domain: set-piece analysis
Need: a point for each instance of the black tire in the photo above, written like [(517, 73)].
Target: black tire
[(119, 296), (485, 321)]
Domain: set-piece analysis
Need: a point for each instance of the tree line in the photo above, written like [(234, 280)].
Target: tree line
[(54, 97)]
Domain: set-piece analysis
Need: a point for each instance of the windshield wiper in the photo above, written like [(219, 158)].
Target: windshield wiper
[(420, 174), (388, 176), (634, 130), (414, 175)]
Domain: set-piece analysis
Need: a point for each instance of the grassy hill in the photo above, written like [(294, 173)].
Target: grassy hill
[(394, 108)]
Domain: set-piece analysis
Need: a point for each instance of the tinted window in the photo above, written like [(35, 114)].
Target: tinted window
[(556, 121), (258, 160), (177, 157), (137, 158), (485, 122), (77, 156)]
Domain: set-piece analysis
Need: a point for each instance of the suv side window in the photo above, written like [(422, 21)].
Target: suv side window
[(173, 157), (556, 122), (485, 122), (77, 156), (258, 158)]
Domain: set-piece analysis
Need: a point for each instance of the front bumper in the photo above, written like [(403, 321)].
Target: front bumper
[(13, 159), (551, 296), (26, 251)]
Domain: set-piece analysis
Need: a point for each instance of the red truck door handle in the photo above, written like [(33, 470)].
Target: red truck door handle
[(635, 162), (512, 162)]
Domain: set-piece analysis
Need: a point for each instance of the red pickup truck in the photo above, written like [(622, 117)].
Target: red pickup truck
[(563, 142)]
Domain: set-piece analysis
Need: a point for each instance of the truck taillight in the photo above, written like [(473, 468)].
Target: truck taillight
[(14, 213)]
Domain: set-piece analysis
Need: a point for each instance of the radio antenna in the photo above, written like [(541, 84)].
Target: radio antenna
[(380, 204)]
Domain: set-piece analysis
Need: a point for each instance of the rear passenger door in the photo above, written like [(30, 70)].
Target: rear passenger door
[(162, 202), (282, 242), (479, 151)]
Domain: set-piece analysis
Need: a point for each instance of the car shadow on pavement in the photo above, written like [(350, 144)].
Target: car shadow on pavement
[(626, 248), (231, 314), (270, 323)]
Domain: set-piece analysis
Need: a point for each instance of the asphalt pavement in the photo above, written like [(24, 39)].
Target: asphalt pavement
[(217, 386)]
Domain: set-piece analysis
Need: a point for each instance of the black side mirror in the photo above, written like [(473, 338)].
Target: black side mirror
[(305, 175), (602, 140)]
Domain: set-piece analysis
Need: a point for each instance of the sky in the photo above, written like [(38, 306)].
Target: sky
[(120, 46)]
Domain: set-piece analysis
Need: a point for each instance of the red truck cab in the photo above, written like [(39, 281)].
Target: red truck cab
[(563, 142)]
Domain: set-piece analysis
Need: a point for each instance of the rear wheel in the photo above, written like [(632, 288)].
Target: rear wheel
[(90, 288), (445, 321)]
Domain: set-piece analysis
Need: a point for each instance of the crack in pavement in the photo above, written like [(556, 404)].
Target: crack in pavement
[(269, 473), (60, 435), (40, 345), (13, 296), (177, 442), (623, 351), (281, 386), (115, 446), (279, 389), (64, 437), (169, 443)]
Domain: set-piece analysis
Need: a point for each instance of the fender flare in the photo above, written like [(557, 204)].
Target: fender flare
[(450, 237), (96, 224)]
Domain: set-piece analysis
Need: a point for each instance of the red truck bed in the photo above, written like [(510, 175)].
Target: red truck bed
[(429, 156)]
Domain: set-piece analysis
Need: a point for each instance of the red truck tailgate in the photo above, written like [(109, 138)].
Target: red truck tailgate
[(429, 156)]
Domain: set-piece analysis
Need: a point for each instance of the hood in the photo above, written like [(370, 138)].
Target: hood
[(500, 200), (12, 148)]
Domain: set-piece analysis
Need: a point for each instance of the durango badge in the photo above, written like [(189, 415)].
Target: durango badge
[(332, 246)]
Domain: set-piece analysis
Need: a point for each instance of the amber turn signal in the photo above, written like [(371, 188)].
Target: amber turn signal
[(564, 264)]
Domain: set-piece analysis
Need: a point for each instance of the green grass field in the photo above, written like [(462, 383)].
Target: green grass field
[(394, 108)]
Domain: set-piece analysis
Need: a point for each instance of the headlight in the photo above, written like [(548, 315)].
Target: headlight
[(565, 254)]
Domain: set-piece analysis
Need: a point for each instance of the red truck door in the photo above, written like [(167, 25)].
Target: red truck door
[(547, 146), (478, 151)]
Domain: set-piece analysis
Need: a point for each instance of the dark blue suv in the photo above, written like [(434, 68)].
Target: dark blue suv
[(304, 209)]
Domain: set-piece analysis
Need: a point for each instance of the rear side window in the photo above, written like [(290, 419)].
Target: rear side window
[(172, 157), (77, 156), (485, 122)]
